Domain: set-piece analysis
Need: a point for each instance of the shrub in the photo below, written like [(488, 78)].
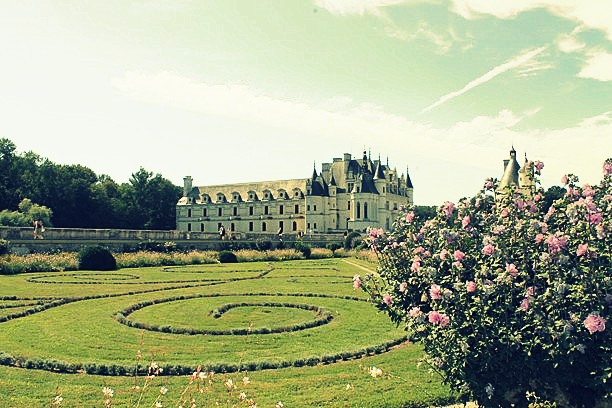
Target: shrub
[(5, 247), (227, 257), (507, 298), (321, 253), (333, 246), (263, 244), (96, 258), (303, 248), (352, 240)]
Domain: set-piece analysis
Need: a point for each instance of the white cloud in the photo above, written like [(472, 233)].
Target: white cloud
[(513, 63), (598, 65), (568, 43), (359, 7), (445, 163), (592, 13)]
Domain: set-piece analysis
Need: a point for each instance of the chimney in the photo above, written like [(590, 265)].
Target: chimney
[(187, 185)]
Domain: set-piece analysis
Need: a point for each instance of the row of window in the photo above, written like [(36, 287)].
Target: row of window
[(264, 226), (253, 196), (235, 212)]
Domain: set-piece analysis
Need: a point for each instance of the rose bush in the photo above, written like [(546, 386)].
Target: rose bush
[(506, 298)]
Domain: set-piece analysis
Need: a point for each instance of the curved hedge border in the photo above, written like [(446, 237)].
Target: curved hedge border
[(324, 317), (97, 276), (174, 370), (40, 279)]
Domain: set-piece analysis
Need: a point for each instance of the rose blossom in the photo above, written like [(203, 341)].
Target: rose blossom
[(410, 216), (465, 222), (607, 168), (538, 166), (416, 264), (438, 318), (470, 286), (582, 249), (564, 180), (403, 287), (415, 312), (595, 323), (435, 292), (587, 191), (356, 282), (387, 299), (458, 255), (488, 249), (539, 238), (556, 242), (595, 218), (525, 305), (443, 254), (448, 209), (511, 269)]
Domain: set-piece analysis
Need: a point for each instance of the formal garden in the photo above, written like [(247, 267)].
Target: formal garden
[(277, 331), (502, 299)]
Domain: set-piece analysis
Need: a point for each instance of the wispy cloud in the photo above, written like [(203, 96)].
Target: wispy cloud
[(517, 61), (359, 7), (474, 148), (591, 13), (598, 65)]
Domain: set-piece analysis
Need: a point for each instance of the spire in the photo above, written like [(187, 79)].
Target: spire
[(332, 180), (378, 173), (314, 171), (408, 181), (511, 169)]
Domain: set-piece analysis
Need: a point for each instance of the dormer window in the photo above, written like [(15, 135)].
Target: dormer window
[(221, 198)]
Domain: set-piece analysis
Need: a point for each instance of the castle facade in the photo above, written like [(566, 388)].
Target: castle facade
[(348, 194)]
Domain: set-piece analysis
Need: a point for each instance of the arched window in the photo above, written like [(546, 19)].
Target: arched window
[(294, 227), (365, 210), (263, 226), (202, 227), (232, 227), (358, 210)]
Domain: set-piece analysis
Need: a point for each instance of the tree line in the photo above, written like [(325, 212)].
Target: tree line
[(79, 198)]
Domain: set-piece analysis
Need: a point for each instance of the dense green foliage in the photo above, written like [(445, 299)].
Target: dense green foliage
[(508, 294), (288, 326), (80, 198), (96, 258), (227, 257), (5, 247), (305, 249), (352, 240)]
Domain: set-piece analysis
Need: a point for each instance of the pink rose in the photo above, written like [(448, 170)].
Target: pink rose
[(356, 282), (595, 218), (387, 299), (607, 168), (443, 254), (595, 323), (539, 238), (415, 312), (458, 255), (511, 269), (457, 264), (465, 222), (403, 287), (438, 318), (416, 264), (587, 191), (582, 249), (538, 166), (435, 292), (556, 242), (525, 305), (410, 216), (488, 250), (531, 291), (470, 286), (505, 212), (564, 180), (448, 209)]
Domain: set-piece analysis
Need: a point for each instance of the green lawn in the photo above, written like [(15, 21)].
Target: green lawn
[(288, 295)]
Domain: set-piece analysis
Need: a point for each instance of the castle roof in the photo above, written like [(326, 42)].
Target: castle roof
[(511, 171)]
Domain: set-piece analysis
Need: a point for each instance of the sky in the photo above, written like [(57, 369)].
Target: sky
[(250, 90)]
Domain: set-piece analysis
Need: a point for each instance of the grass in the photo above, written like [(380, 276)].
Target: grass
[(85, 331)]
